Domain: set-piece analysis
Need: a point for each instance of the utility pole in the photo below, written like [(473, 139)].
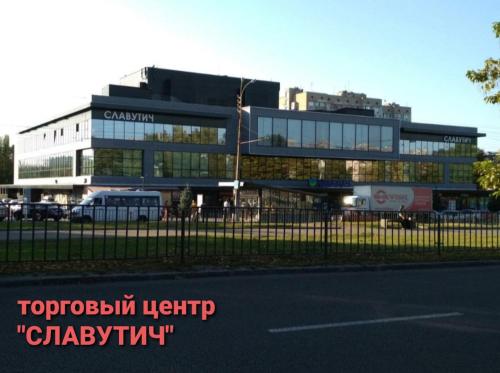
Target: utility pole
[(239, 106)]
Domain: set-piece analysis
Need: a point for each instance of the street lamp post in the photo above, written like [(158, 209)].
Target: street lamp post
[(239, 105)]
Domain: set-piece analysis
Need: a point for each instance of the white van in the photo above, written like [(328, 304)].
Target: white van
[(116, 205)]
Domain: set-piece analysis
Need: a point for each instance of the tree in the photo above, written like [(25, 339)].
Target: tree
[(488, 173), (489, 75), (185, 200), (488, 170), (6, 161)]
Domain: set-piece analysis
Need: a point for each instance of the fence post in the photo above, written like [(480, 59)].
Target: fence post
[(183, 233), (439, 234), (325, 235)]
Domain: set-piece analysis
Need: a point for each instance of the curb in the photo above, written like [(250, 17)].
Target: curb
[(90, 278)]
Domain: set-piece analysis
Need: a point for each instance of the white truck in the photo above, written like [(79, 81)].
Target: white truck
[(389, 198), (388, 204)]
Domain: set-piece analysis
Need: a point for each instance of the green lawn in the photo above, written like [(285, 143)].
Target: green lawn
[(352, 239), (228, 224)]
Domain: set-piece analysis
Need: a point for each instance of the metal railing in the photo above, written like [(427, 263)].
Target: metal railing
[(51, 232)]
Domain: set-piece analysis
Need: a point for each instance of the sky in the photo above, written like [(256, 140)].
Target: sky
[(55, 54)]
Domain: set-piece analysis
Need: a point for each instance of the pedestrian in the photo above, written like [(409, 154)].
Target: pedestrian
[(194, 210), (401, 213), (202, 209), (227, 207), (165, 212)]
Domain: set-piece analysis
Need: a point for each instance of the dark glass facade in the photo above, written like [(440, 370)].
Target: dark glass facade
[(111, 162), (294, 133), (160, 132), (359, 171), (425, 146), (193, 165), (461, 173)]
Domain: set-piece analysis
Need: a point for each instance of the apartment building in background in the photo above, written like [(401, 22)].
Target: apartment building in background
[(299, 99)]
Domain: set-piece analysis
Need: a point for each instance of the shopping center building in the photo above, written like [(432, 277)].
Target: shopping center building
[(167, 129)]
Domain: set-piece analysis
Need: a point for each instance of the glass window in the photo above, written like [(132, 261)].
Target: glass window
[(440, 148), (119, 129), (203, 165), (348, 136), (412, 147), (97, 128), (109, 129), (195, 134), (418, 147), (186, 134), (265, 131), (149, 131), (279, 132), (322, 135), (195, 164), (308, 134), (374, 138), (177, 130), (212, 165), (158, 132), (361, 137), (158, 164), (117, 162), (294, 133), (205, 135), (139, 131), (176, 164), (212, 135), (451, 152), (447, 149), (335, 135), (473, 149), (221, 136), (167, 164), (402, 146), (221, 166), (186, 164), (435, 148), (129, 131), (386, 141), (427, 147), (167, 133), (229, 166)]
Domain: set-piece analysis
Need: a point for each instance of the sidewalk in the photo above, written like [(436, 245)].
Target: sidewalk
[(207, 272)]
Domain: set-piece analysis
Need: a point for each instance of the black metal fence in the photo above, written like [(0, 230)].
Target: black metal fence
[(50, 232)]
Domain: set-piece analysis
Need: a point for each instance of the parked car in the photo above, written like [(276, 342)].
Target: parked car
[(14, 206), (3, 211), (39, 211), (461, 216), (474, 216)]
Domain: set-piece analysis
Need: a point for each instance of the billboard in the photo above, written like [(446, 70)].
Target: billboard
[(392, 198)]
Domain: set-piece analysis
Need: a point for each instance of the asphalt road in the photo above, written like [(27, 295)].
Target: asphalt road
[(440, 320)]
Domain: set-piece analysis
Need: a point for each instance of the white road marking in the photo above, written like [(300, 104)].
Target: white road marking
[(363, 322)]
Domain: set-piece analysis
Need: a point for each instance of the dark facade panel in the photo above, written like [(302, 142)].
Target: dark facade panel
[(205, 89), (124, 91)]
